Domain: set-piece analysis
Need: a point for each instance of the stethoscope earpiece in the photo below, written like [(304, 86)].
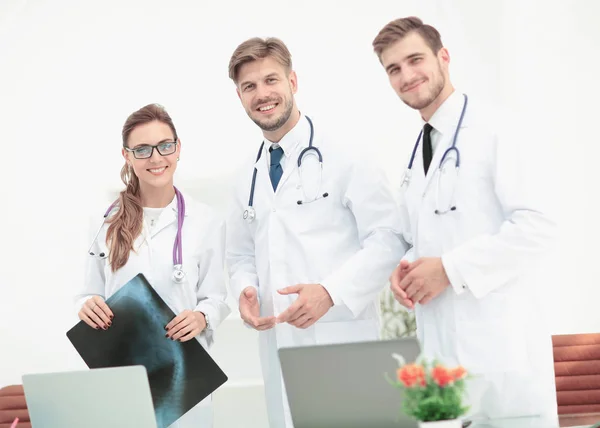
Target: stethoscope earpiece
[(316, 199), (101, 255), (438, 212)]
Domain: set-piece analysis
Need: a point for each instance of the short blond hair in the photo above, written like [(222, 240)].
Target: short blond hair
[(400, 28), (257, 48)]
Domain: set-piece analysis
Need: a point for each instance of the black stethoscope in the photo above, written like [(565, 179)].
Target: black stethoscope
[(250, 213), (453, 148)]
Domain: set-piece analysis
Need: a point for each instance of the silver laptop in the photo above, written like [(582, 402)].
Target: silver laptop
[(99, 398), (344, 385)]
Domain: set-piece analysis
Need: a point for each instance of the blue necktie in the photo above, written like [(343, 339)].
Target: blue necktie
[(275, 170)]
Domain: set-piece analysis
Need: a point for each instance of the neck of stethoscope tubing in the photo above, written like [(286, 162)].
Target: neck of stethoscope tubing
[(312, 131), (414, 151), (320, 182), (95, 239), (454, 138), (258, 156), (452, 206), (177, 245)]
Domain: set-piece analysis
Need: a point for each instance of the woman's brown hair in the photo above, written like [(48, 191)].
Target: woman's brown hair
[(126, 224)]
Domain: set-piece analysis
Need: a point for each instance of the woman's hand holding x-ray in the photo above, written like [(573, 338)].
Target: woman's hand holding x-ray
[(185, 326), (96, 313)]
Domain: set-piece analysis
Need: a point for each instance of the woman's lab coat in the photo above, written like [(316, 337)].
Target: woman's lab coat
[(349, 242), (489, 319), (203, 289)]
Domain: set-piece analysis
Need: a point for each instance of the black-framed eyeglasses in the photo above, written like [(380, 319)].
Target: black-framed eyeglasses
[(145, 151)]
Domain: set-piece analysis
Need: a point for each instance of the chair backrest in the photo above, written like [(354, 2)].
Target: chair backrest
[(13, 405), (577, 371)]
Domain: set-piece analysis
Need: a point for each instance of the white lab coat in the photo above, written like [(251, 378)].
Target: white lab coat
[(203, 289), (349, 242), (489, 319)]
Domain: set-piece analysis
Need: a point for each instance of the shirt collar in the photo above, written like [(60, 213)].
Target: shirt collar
[(447, 115), (299, 134)]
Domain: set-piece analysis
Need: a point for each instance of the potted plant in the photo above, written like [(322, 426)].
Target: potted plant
[(433, 393), (396, 320)]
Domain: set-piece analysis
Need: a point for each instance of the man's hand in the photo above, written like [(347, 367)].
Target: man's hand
[(425, 280), (312, 303), (250, 311), (397, 276)]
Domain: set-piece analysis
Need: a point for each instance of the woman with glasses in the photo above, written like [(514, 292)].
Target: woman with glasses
[(153, 229)]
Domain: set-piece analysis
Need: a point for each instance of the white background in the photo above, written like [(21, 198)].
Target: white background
[(71, 71)]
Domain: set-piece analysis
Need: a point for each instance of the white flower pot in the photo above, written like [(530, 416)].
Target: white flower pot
[(450, 423)]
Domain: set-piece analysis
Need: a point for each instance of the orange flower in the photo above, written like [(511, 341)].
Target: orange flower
[(442, 376), (411, 374), (459, 373)]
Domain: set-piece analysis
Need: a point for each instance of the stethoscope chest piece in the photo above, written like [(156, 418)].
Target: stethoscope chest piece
[(178, 274)]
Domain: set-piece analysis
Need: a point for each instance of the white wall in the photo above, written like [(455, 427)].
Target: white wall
[(71, 71)]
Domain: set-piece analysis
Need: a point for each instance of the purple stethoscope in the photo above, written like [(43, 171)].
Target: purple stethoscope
[(178, 273)]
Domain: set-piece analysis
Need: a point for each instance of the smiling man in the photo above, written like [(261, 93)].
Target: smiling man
[(312, 233), (477, 235)]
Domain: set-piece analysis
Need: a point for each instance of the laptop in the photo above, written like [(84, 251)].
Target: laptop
[(344, 385), (112, 397)]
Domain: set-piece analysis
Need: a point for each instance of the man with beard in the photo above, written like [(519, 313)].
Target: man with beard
[(312, 233), (477, 235)]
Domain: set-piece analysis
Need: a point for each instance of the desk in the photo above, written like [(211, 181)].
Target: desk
[(572, 421)]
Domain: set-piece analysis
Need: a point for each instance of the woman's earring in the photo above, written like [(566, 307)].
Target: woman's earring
[(177, 159)]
